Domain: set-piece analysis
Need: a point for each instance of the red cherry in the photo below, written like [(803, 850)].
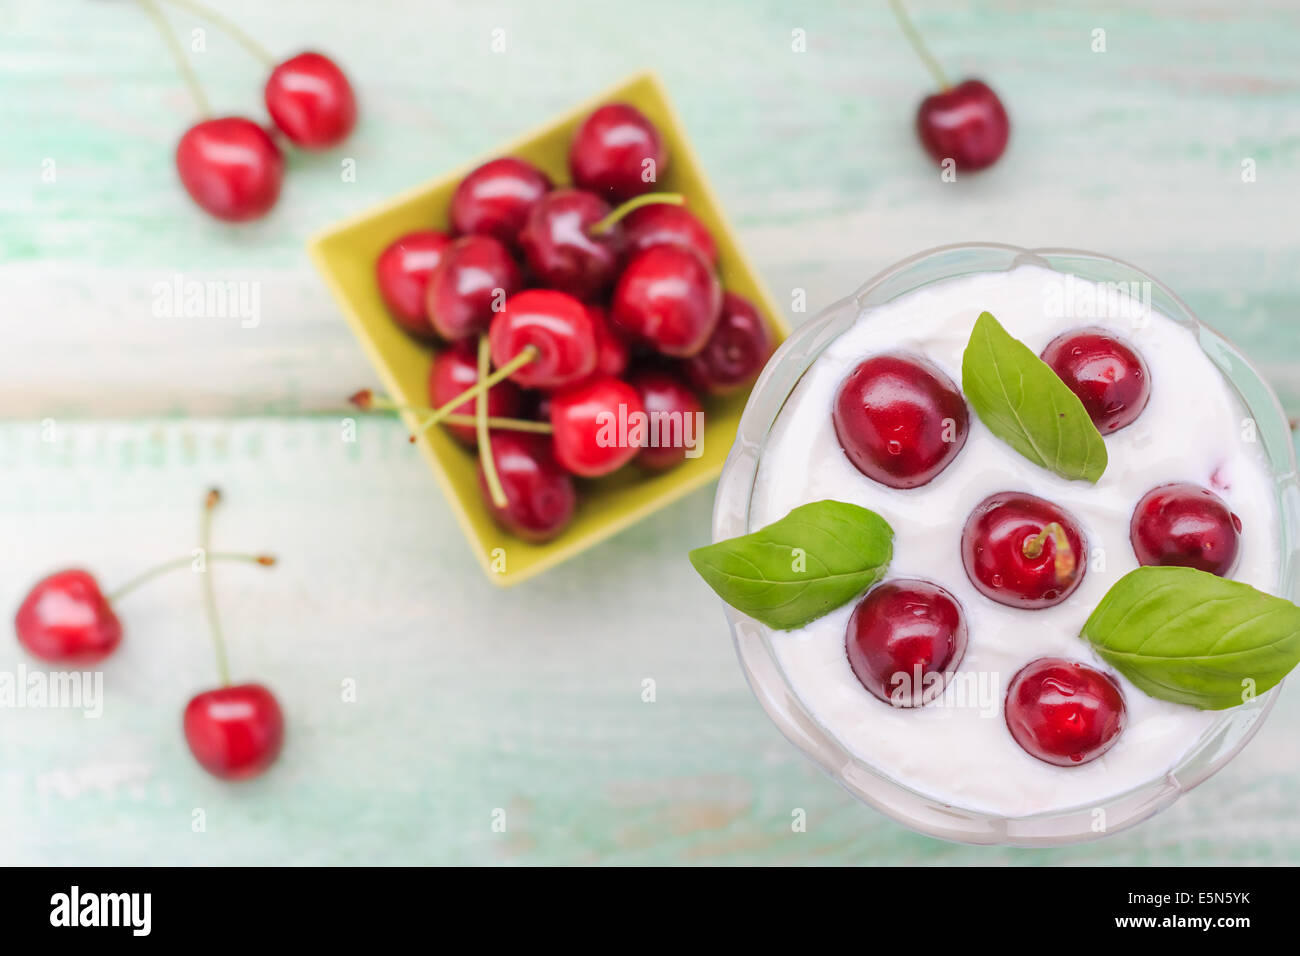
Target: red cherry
[(966, 123), (402, 271), (735, 353), (495, 199), (540, 498), (557, 325), (612, 353), (594, 426), (455, 369), (617, 153), (311, 100), (1109, 377), (560, 249), (900, 420), (1023, 551), (1064, 713), (667, 224), (674, 417), (905, 640), (469, 286), (231, 167), (66, 619), (234, 732), (669, 299), (1187, 526)]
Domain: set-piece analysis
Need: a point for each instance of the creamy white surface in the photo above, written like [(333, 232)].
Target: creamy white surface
[(1192, 430)]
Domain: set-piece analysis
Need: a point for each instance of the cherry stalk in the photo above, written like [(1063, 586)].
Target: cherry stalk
[(367, 401)]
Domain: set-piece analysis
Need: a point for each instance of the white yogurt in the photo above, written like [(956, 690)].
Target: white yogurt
[(957, 750)]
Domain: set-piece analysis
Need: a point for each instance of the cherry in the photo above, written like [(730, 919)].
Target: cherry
[(1184, 525), (556, 327), (469, 286), (594, 426), (231, 167), (905, 640), (561, 249), (966, 123), (402, 271), (455, 369), (1063, 712), (617, 153), (1109, 377), (673, 411), (235, 732), (900, 420), (540, 498), (66, 619), (612, 353), (496, 198), (735, 353), (311, 100), (665, 224), (1023, 551), (669, 299)]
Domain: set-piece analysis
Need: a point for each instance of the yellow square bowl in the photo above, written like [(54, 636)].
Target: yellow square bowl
[(346, 253)]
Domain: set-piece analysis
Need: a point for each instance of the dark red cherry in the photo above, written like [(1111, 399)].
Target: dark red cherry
[(1108, 376), (905, 640), (231, 167), (469, 286), (455, 369), (900, 419), (1064, 713), (966, 123), (612, 353), (595, 426), (540, 498), (65, 619), (560, 248), (496, 198), (667, 224), (402, 271), (1023, 551), (1187, 526), (675, 419), (311, 100), (558, 326), (669, 299), (617, 153), (234, 732), (735, 353)]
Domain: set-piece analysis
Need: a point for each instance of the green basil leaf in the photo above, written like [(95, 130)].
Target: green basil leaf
[(818, 557), (1022, 401), (1195, 638)]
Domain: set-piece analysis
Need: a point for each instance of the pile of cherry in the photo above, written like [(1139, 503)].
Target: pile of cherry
[(893, 416), (580, 310)]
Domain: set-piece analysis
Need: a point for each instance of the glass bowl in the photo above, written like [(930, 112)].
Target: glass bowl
[(1219, 744)]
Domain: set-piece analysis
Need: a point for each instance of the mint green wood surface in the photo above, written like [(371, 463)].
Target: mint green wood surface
[(469, 700)]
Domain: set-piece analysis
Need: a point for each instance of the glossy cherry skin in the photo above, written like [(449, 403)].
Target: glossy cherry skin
[(1064, 713), (1187, 526), (1107, 375), (470, 286), (562, 252), (612, 353), (617, 153), (234, 732), (231, 167), (666, 224), (496, 198), (967, 124), (735, 353), (540, 497), (675, 418), (402, 272), (900, 419), (593, 426), (993, 546), (455, 369), (669, 299), (311, 101), (558, 326), (65, 619), (905, 640)]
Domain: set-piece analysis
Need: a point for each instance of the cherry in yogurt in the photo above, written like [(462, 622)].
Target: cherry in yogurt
[(1108, 375), (1023, 551), (1184, 525), (1064, 713)]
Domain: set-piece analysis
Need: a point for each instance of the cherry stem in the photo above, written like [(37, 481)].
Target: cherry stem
[(1033, 548), (490, 476), (604, 225), (221, 23), (175, 564), (182, 61), (914, 38), (526, 355), (209, 596), (379, 404)]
